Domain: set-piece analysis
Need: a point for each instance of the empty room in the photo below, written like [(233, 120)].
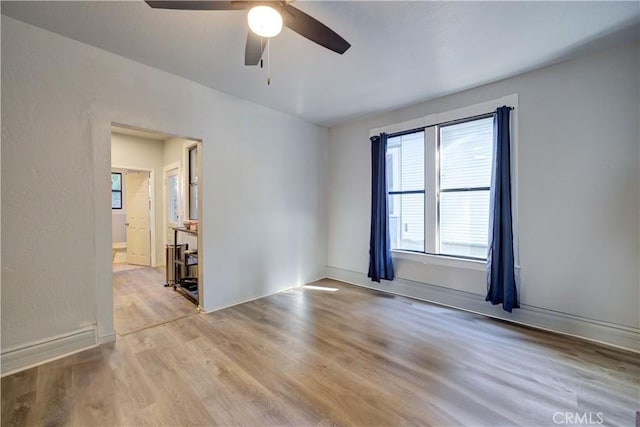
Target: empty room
[(295, 213)]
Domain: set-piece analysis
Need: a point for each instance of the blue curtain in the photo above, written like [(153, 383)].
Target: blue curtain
[(380, 262), (501, 282)]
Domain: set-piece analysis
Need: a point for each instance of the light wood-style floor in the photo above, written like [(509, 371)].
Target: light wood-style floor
[(140, 300), (352, 357)]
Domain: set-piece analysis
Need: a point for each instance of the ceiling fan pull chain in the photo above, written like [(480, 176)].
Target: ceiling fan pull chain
[(269, 61), (261, 50)]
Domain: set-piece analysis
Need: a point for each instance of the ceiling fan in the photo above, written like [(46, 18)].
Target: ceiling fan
[(265, 20)]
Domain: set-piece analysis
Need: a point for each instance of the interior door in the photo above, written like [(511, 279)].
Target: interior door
[(138, 207), (172, 202)]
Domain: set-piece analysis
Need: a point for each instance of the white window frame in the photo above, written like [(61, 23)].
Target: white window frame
[(430, 125)]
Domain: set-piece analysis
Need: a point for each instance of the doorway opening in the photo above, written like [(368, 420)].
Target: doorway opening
[(150, 200), (131, 213)]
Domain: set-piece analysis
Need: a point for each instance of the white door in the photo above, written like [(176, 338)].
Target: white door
[(138, 206), (171, 202)]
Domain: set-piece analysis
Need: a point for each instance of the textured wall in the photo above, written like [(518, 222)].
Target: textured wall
[(264, 217)]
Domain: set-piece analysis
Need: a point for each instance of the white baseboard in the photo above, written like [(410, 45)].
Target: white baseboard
[(106, 338), (36, 353), (614, 335)]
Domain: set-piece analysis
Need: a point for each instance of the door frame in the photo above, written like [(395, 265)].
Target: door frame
[(165, 170), (99, 130), (190, 143), (152, 211), (186, 147)]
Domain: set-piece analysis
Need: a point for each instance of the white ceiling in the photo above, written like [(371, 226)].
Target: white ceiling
[(403, 52)]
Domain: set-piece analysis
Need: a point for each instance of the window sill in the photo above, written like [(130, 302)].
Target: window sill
[(445, 261)]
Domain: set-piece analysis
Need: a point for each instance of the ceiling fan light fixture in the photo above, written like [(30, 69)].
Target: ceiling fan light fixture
[(265, 21)]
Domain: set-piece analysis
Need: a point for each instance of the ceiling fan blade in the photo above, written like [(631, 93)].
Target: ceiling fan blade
[(313, 29), (253, 49), (198, 5)]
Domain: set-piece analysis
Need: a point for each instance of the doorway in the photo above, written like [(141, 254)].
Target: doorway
[(138, 216), (132, 217), (172, 200), (152, 202)]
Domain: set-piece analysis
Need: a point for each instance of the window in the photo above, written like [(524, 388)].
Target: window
[(438, 181), (193, 183), (405, 184), (465, 180), (173, 197), (116, 190)]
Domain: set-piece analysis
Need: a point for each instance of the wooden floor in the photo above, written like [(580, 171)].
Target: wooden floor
[(314, 357), (140, 300)]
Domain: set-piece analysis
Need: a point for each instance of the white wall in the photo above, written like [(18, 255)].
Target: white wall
[(263, 211), (133, 152), (579, 179), (173, 150)]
